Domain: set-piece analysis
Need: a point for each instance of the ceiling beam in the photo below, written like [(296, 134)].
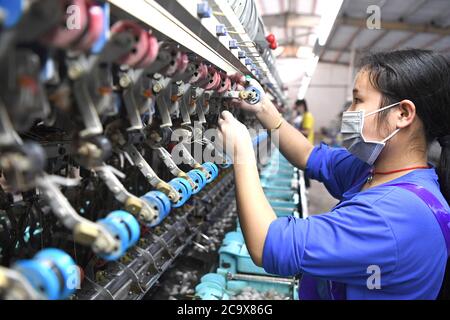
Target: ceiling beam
[(412, 10), (345, 6), (292, 41), (291, 20), (427, 45), (377, 39), (403, 41), (285, 26), (346, 50), (298, 20), (395, 26), (324, 49), (440, 18), (347, 45), (333, 62), (432, 42)]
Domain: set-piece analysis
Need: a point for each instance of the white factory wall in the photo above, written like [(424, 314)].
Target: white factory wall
[(327, 93), (291, 72)]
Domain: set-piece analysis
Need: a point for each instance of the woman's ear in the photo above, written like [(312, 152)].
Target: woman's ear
[(406, 113)]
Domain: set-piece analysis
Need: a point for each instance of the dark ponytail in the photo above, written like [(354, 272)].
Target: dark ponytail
[(423, 77), (444, 166), (444, 181)]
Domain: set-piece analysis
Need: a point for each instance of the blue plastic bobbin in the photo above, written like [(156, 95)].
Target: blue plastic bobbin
[(130, 223), (51, 272), (212, 169), (183, 187), (41, 277), (66, 265), (160, 203), (257, 97), (120, 231), (68, 270), (199, 179)]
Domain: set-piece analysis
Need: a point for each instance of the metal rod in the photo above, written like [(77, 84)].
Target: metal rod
[(247, 277)]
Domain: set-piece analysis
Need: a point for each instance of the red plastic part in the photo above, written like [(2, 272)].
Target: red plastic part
[(273, 45), (271, 38)]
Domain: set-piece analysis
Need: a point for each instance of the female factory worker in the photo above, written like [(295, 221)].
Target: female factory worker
[(388, 238)]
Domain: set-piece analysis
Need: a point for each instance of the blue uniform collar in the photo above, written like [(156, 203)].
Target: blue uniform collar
[(356, 188)]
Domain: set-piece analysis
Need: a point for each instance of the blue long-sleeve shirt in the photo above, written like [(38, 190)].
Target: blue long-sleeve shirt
[(384, 226)]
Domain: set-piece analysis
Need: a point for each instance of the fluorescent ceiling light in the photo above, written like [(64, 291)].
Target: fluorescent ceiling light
[(327, 21), (304, 52), (304, 87), (311, 66)]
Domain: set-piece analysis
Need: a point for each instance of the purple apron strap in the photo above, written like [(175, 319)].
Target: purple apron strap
[(308, 289), (441, 215), (338, 291), (319, 289), (309, 286)]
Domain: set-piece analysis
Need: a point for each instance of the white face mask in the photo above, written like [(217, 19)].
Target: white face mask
[(353, 138)]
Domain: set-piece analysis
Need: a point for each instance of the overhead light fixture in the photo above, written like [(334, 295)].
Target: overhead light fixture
[(312, 65), (310, 68), (304, 52), (327, 20), (304, 87)]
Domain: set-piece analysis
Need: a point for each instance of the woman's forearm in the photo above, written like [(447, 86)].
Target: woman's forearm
[(255, 212), (292, 143)]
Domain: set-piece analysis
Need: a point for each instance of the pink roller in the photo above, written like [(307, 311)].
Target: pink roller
[(237, 78), (170, 71), (237, 81), (96, 19), (183, 62), (152, 52), (217, 81), (61, 36), (225, 84), (140, 48), (214, 79), (202, 73)]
